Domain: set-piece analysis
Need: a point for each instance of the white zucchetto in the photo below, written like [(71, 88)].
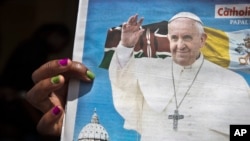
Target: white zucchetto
[(186, 15)]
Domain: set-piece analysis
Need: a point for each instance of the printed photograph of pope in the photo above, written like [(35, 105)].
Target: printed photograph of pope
[(182, 97)]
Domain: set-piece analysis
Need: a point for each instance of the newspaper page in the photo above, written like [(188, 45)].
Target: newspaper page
[(152, 95)]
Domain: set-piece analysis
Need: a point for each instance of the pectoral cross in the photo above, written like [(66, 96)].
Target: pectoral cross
[(175, 118)]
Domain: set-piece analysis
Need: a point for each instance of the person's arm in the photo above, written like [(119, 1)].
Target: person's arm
[(123, 77), (123, 54), (50, 91)]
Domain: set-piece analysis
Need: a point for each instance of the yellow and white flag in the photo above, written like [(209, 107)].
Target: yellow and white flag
[(228, 49)]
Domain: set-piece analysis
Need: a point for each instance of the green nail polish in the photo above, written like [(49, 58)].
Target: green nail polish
[(90, 75), (55, 79)]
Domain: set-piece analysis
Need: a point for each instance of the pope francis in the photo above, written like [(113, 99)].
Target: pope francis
[(182, 97)]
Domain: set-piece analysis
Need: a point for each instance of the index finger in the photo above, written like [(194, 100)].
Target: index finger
[(66, 67), (133, 20), (51, 68)]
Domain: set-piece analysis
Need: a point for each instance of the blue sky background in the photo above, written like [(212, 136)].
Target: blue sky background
[(103, 14)]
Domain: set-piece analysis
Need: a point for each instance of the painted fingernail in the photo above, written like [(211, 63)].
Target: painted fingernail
[(56, 110), (90, 75), (55, 79), (63, 62)]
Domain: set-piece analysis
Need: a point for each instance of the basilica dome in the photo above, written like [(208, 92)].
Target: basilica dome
[(93, 131)]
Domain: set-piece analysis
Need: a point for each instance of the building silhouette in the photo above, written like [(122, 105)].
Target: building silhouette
[(93, 131)]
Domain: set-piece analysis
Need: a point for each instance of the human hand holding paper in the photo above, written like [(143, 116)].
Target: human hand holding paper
[(50, 91)]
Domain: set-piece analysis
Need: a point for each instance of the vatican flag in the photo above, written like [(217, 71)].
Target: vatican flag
[(228, 49)]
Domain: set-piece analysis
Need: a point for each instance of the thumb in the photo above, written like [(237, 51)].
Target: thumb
[(51, 122), (140, 32)]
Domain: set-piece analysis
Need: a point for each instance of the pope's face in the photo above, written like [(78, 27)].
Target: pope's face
[(185, 40)]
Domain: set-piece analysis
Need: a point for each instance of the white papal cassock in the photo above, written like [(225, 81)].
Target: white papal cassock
[(143, 94)]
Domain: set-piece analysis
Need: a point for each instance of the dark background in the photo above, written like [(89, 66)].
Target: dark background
[(18, 21)]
